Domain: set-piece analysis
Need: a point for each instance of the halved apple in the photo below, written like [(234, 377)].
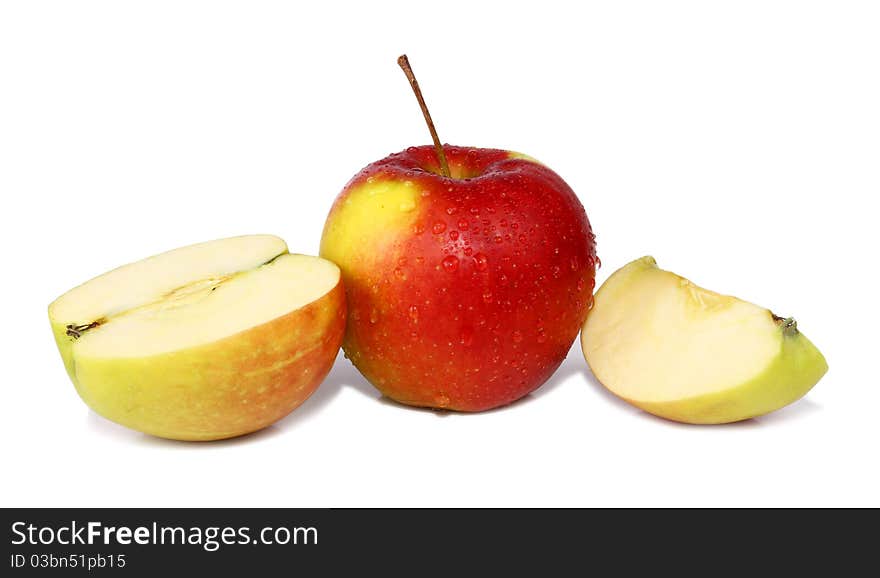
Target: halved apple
[(204, 342), (688, 354)]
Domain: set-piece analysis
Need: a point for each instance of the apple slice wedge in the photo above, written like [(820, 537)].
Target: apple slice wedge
[(688, 354), (204, 342)]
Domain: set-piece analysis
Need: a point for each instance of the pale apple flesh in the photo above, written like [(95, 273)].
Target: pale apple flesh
[(204, 342), (688, 354)]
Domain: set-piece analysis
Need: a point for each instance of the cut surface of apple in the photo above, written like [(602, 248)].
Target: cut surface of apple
[(688, 354), (203, 342)]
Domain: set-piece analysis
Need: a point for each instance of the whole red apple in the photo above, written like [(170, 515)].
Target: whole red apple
[(464, 292)]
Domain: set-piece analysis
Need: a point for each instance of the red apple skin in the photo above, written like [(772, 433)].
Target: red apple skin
[(468, 292)]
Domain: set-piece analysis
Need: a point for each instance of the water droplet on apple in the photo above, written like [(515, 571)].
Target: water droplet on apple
[(441, 400), (463, 225), (481, 262), (407, 205), (467, 336), (451, 210), (542, 337), (371, 180), (450, 263), (574, 263), (400, 274), (374, 316), (453, 235), (580, 285), (438, 227), (414, 313), (517, 337), (497, 238), (487, 296)]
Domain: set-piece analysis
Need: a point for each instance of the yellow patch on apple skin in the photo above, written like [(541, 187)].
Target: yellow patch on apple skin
[(371, 210), (525, 157)]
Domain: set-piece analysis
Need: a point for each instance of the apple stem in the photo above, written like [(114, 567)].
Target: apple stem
[(403, 62), (788, 325), (76, 331)]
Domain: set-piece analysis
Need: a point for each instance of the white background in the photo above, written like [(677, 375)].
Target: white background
[(737, 142)]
